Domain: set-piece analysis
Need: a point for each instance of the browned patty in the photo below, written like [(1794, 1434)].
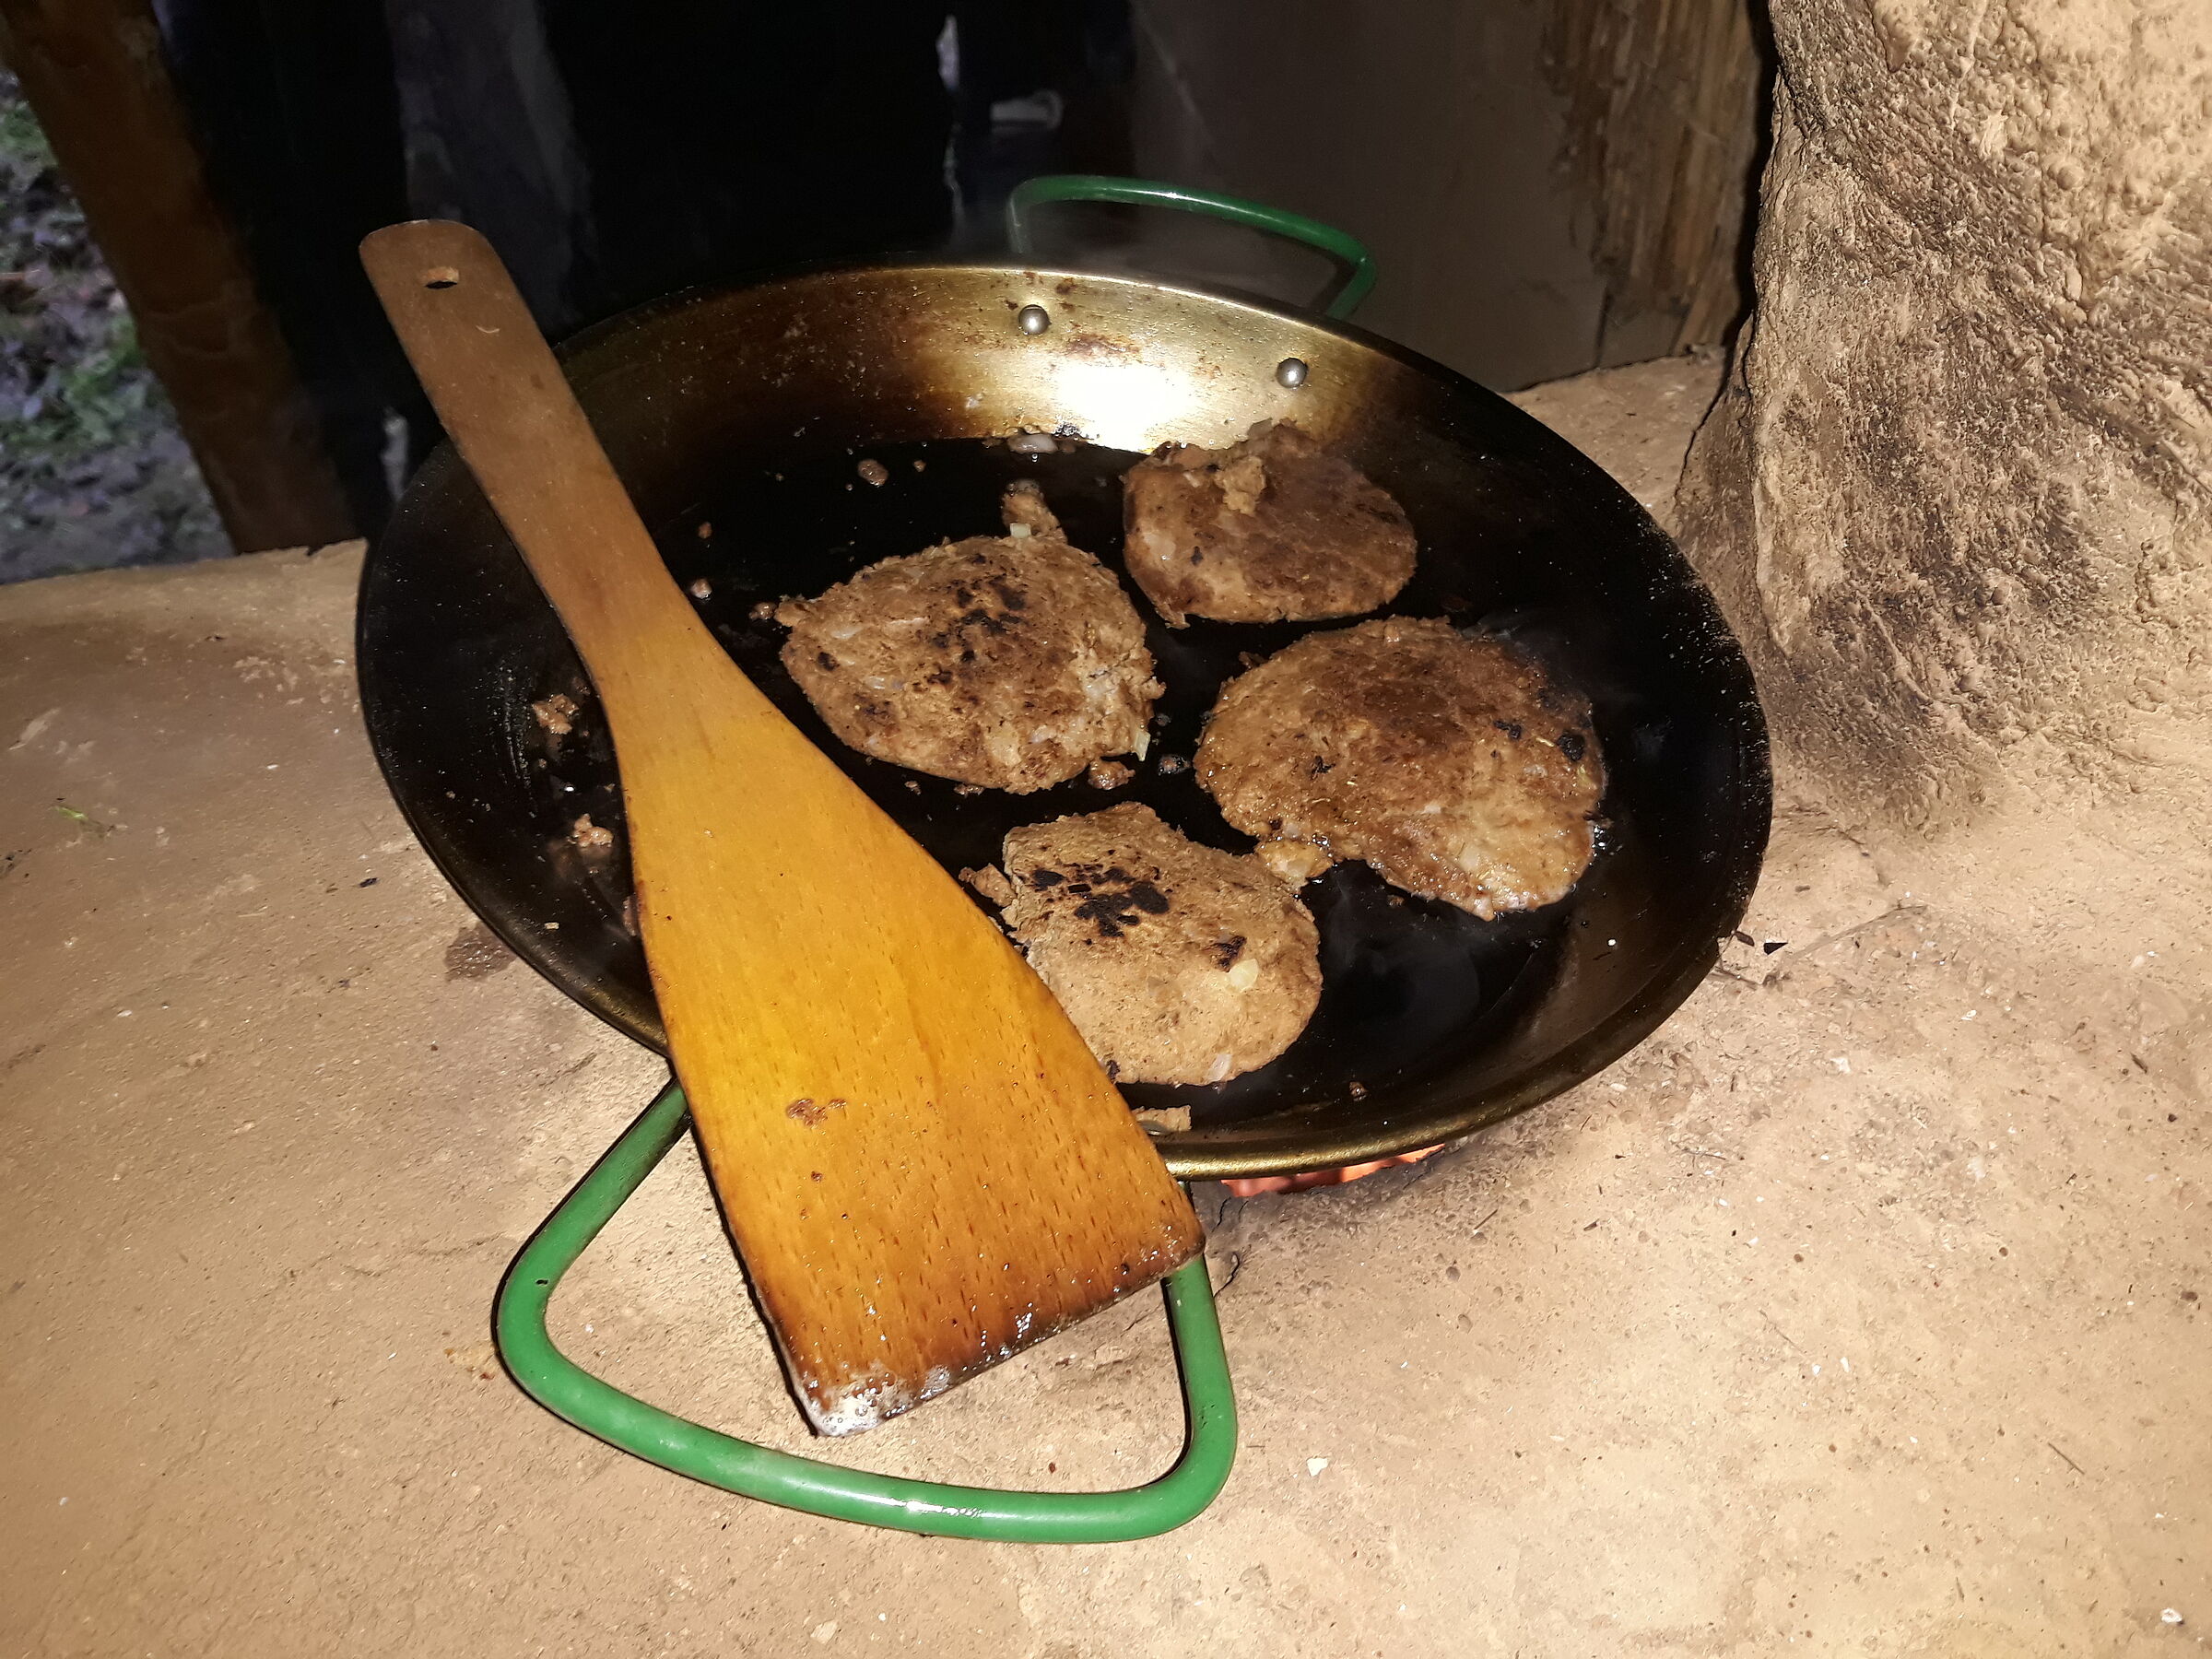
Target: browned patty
[(1448, 763), (1178, 963), (1007, 662), (1274, 529)]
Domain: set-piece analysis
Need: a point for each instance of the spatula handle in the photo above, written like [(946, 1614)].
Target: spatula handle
[(473, 343), (925, 1167)]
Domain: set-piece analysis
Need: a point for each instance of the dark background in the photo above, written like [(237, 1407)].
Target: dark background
[(1547, 185)]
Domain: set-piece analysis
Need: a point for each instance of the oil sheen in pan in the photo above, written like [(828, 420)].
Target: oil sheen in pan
[(1404, 979)]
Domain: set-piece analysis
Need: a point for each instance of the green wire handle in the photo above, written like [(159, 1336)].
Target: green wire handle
[(597, 1408), (1094, 187)]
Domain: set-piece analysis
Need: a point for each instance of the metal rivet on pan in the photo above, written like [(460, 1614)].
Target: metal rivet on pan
[(1292, 372), (1034, 319)]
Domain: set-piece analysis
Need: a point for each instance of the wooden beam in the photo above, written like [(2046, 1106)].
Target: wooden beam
[(93, 73), (1664, 139)]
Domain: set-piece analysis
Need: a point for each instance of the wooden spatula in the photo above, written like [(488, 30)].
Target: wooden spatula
[(922, 1166)]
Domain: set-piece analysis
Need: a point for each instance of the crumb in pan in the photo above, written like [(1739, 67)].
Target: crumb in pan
[(557, 713)]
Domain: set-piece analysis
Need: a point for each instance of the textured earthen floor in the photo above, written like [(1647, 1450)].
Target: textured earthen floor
[(1861, 1310)]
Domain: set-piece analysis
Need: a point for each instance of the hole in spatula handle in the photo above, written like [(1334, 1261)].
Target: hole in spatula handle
[(440, 277)]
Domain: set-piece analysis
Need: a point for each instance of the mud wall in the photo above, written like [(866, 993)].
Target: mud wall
[(1547, 185), (1954, 495)]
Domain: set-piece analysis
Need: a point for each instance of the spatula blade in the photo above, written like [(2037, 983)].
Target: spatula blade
[(923, 1168)]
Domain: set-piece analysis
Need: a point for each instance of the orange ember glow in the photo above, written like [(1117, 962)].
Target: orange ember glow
[(1257, 1185)]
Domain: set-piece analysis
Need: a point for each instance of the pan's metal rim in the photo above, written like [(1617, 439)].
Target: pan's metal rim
[(1243, 1150), (1192, 1159)]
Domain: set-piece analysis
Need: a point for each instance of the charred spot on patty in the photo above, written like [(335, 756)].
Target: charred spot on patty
[(1147, 897)]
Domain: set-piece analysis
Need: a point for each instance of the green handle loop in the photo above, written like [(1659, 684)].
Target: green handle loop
[(1094, 187), (597, 1408)]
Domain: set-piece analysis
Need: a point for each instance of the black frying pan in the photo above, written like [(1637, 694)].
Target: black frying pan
[(737, 417)]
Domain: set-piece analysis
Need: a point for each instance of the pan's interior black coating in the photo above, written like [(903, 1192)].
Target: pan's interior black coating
[(1430, 1021), (1403, 977)]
